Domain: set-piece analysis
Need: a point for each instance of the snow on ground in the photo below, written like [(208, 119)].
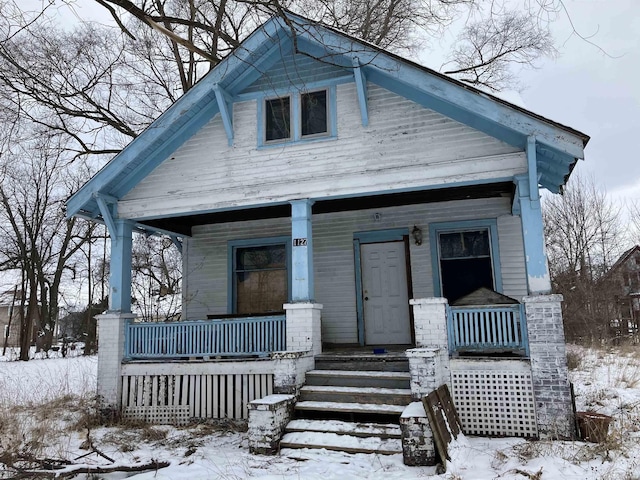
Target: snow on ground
[(47, 411)]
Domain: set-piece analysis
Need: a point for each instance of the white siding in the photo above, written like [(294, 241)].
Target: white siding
[(206, 268), (405, 146)]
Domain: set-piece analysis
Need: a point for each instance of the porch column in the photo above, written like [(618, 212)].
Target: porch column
[(301, 251), (120, 266), (111, 325), (303, 315), (527, 204)]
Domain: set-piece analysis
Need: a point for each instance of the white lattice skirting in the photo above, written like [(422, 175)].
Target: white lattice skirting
[(175, 399), (495, 402)]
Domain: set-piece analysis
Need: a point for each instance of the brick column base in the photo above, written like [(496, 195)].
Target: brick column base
[(268, 418), (304, 331), (110, 332), (549, 372)]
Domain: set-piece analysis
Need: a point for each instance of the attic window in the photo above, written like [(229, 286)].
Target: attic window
[(278, 119), (296, 117), (313, 111)]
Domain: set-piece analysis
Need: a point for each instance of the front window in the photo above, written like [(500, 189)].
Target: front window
[(260, 279), (465, 262)]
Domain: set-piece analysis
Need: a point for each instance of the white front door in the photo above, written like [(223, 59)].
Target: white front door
[(384, 294)]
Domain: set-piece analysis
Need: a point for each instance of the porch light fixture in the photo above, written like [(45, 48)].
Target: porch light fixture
[(416, 233)]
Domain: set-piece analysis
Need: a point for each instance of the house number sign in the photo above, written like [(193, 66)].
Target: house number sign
[(299, 242)]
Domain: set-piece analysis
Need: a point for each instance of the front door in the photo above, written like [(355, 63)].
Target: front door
[(385, 294)]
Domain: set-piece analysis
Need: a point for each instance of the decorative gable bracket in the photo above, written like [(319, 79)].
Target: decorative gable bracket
[(226, 109), (361, 86)]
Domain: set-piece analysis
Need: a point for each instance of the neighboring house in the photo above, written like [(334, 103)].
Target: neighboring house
[(328, 194), (623, 283), (10, 317)]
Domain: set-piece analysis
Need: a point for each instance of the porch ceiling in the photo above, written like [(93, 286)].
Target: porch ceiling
[(183, 225)]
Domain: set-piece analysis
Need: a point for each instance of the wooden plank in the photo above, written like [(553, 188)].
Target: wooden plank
[(443, 420), (229, 401), (238, 405), (245, 396), (125, 391), (209, 396), (215, 396), (198, 399), (222, 405)]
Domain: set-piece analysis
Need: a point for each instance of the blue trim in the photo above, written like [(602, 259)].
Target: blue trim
[(524, 330), (491, 224), (302, 288), (120, 266), (252, 242), (532, 168), (361, 87), (533, 238), (225, 112), (296, 118), (378, 236), (359, 303)]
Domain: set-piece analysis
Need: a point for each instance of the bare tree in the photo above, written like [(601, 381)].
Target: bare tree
[(35, 236), (584, 237), (495, 35), (157, 276)]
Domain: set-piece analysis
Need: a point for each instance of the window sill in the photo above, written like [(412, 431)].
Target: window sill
[(302, 141)]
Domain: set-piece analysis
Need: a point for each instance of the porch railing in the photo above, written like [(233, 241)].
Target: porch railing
[(227, 337), (488, 329)]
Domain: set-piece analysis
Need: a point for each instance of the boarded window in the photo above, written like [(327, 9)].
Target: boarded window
[(278, 119), (314, 113), (465, 262), (260, 279)]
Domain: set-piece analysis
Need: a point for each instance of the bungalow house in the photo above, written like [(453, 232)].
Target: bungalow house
[(356, 230)]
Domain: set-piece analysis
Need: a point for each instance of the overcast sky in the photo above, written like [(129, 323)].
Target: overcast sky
[(595, 93)]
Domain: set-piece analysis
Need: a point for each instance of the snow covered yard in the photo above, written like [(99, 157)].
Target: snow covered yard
[(48, 418)]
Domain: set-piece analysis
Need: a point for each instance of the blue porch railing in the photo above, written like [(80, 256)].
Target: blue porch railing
[(487, 329), (227, 337)]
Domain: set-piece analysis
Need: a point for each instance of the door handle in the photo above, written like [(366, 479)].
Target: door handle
[(366, 298)]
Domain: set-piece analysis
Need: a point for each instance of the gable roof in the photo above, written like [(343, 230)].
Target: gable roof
[(624, 258), (557, 147)]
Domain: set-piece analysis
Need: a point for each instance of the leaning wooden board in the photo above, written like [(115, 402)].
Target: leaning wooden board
[(443, 419)]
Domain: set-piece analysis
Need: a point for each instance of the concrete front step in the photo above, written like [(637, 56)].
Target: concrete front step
[(381, 430), (339, 407), (363, 362), (343, 443), (347, 378), (361, 395)]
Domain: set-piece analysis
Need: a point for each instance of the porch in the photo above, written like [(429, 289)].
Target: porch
[(484, 330)]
